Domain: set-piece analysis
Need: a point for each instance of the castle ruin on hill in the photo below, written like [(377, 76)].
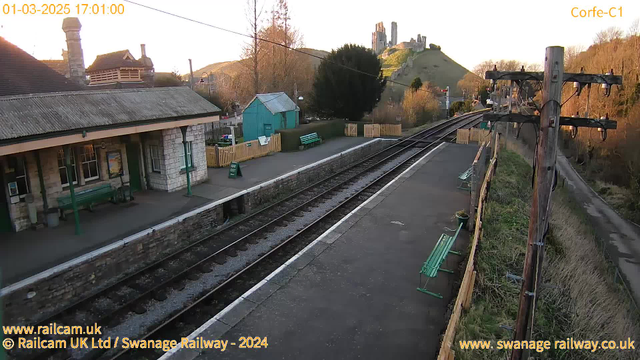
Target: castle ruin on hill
[(379, 40)]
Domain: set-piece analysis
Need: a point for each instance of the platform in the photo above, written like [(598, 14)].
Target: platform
[(352, 292), (29, 252)]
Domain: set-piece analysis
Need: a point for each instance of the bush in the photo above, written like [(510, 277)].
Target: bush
[(419, 106), (386, 114), (325, 129)]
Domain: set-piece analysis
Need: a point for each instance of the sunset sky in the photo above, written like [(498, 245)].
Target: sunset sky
[(469, 32)]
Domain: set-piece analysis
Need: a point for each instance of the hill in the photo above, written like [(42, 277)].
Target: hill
[(233, 67), (433, 66)]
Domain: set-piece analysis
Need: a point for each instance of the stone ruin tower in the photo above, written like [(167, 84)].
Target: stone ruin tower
[(379, 39), (394, 34)]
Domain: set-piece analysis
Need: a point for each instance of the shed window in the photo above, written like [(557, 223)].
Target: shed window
[(22, 183), (89, 162), (64, 180), (189, 155), (156, 154)]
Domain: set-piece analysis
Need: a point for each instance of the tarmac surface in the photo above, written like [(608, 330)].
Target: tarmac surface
[(621, 236), (28, 252), (352, 292)]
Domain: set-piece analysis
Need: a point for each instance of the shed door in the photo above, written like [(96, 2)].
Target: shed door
[(268, 130)]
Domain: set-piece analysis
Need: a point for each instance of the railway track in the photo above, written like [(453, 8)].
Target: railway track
[(209, 274)]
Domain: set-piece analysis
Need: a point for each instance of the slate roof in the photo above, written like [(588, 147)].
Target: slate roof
[(276, 102), (24, 117), (60, 66), (113, 60), (21, 73)]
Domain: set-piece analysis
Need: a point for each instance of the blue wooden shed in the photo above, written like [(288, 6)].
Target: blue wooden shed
[(267, 113)]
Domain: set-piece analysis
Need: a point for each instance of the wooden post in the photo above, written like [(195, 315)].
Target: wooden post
[(543, 184), (469, 295)]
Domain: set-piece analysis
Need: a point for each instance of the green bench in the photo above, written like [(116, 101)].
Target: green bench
[(431, 267), (310, 139), (465, 179), (87, 197)]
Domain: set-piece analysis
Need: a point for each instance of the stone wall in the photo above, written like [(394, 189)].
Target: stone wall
[(173, 157), (37, 297), (171, 176)]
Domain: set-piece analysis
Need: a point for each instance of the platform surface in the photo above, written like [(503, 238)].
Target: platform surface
[(29, 252), (352, 294)]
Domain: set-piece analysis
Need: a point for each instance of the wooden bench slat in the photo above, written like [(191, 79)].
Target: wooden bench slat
[(87, 196), (439, 253), (309, 139)]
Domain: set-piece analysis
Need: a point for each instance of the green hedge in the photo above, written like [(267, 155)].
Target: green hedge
[(325, 129)]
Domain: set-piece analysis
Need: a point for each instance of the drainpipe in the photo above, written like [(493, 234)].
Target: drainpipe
[(43, 189), (186, 157), (74, 205)]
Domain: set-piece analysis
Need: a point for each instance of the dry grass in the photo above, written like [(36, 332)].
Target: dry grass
[(599, 307), (579, 299)]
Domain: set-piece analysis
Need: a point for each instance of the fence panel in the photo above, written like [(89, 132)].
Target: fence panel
[(390, 130), (372, 130), (350, 130), (478, 135), (462, 136), (241, 152)]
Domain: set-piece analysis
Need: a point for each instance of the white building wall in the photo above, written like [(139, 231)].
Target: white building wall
[(175, 176)]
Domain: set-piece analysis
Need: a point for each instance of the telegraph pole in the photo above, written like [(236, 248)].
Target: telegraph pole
[(543, 185), (549, 122)]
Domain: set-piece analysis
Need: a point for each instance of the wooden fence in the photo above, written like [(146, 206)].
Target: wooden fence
[(372, 130), (466, 287), (462, 136), (465, 136), (390, 130), (350, 129), (479, 135), (223, 156)]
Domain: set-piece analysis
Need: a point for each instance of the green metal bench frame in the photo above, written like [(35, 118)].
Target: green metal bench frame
[(433, 264), (310, 139), (464, 178), (87, 197)]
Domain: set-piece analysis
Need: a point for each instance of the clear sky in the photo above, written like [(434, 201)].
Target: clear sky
[(468, 31)]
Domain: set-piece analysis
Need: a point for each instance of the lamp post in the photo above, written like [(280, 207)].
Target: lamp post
[(186, 157), (72, 193)]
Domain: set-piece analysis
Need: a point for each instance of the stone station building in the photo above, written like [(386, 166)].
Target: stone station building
[(114, 137)]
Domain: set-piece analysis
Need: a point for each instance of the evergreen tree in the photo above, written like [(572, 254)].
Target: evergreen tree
[(416, 84), (344, 93)]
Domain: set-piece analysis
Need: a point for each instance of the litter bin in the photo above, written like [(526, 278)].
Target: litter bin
[(53, 218)]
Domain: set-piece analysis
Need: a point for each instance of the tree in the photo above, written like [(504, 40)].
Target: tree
[(607, 35), (252, 50), (416, 84), (472, 84), (419, 106), (345, 93), (165, 80)]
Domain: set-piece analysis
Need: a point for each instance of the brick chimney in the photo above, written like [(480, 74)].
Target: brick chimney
[(71, 26), (148, 72)]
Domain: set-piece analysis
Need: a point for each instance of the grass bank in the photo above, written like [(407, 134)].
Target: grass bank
[(579, 298), (619, 198)]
